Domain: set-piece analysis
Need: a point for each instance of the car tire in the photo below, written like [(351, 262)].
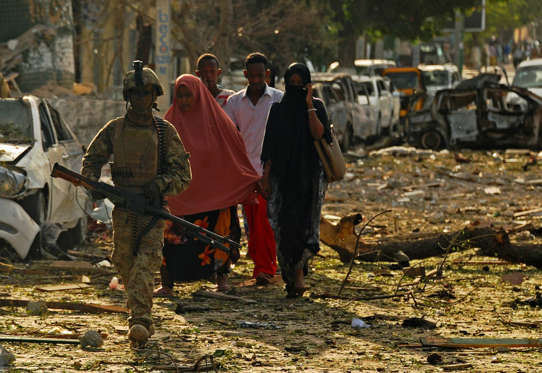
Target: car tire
[(35, 206), (432, 139)]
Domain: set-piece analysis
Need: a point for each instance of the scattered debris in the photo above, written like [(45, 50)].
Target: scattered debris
[(452, 367), (417, 322), (221, 296), (480, 342), (62, 287), (187, 308), (533, 212), (514, 278), (434, 359), (442, 294), (414, 271), (258, 325), (91, 338), (492, 190), (36, 308), (82, 307), (68, 266), (532, 302), (359, 324), (346, 297), (6, 357), (21, 339), (104, 264)]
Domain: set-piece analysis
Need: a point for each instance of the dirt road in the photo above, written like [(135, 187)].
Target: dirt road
[(426, 191)]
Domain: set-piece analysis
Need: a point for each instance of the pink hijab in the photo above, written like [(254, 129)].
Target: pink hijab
[(222, 174)]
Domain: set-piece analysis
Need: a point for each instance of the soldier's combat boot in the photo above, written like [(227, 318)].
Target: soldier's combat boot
[(138, 335)]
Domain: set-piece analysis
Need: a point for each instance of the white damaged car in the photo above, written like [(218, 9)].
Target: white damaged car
[(34, 207)]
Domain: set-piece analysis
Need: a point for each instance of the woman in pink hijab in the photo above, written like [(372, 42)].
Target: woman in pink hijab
[(222, 177)]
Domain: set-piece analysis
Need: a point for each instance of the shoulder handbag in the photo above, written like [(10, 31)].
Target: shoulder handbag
[(331, 156)]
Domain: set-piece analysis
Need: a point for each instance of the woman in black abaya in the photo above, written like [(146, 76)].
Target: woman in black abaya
[(293, 179)]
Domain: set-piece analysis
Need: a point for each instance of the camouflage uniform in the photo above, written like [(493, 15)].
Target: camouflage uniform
[(133, 142)]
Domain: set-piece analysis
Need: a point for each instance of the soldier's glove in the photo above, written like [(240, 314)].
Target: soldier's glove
[(152, 194)]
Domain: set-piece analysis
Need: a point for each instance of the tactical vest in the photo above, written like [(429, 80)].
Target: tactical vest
[(135, 150)]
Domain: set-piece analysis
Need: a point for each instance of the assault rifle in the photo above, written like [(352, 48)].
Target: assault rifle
[(137, 203)]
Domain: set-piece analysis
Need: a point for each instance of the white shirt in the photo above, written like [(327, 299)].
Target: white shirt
[(251, 120), (222, 96)]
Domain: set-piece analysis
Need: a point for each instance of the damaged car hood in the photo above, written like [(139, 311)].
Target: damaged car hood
[(12, 152)]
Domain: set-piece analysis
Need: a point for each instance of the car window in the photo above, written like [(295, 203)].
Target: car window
[(339, 91), (61, 131), (404, 79), (329, 95), (381, 87), (366, 88), (16, 122), (435, 78), (528, 77), (48, 139), (455, 77)]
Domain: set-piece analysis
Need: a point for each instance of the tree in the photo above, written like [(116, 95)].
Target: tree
[(284, 30), (415, 19)]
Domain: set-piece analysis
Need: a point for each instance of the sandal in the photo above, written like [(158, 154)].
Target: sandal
[(293, 292), (163, 291), (263, 278)]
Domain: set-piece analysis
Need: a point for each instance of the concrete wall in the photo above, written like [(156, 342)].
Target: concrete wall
[(52, 60), (87, 115)]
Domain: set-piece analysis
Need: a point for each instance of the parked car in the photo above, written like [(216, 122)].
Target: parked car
[(384, 102), (367, 67), (437, 77), (408, 81), (351, 119), (529, 76), (33, 137), (478, 114)]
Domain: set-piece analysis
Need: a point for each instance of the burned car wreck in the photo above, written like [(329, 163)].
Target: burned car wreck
[(33, 205), (479, 112)]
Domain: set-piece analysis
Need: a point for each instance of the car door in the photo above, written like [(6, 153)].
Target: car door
[(385, 103), (59, 190), (358, 115), (369, 127)]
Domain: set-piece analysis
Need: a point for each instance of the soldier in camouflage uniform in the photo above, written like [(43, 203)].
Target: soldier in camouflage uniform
[(148, 158)]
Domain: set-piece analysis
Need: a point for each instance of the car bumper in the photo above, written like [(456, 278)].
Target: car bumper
[(17, 227)]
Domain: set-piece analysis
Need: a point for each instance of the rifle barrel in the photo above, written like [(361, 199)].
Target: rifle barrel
[(195, 228)]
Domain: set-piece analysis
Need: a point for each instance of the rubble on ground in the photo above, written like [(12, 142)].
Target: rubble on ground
[(445, 302)]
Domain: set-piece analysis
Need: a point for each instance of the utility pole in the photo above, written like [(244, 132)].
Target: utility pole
[(458, 42), (162, 54)]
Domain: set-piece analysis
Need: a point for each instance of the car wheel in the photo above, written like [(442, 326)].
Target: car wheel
[(432, 140), (35, 206)]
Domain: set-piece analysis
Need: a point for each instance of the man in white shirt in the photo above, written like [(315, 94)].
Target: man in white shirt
[(249, 109), (208, 69)]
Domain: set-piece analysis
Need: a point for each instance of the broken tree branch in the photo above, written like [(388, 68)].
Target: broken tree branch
[(358, 236)]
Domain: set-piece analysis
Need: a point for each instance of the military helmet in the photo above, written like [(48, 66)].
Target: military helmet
[(145, 76)]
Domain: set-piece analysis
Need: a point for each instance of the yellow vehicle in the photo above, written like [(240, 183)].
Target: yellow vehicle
[(408, 81)]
